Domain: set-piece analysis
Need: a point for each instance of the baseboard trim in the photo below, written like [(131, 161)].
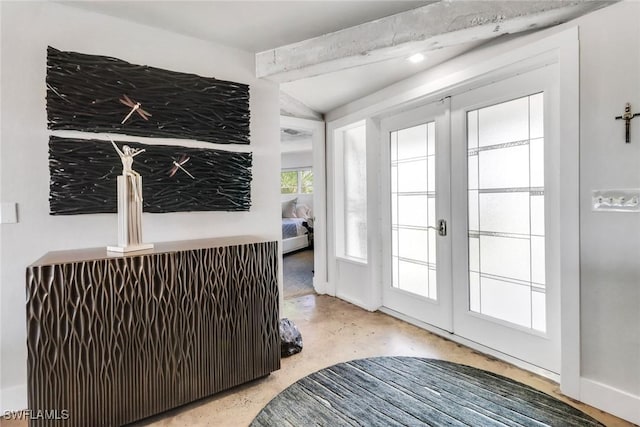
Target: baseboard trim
[(474, 345), (617, 402), (319, 286), (354, 301), (13, 399)]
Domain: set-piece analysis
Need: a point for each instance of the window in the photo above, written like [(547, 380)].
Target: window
[(351, 190), (296, 181)]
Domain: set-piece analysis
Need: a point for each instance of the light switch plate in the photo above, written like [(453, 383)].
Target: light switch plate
[(626, 200), (8, 213)]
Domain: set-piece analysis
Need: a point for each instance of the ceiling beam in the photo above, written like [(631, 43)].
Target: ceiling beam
[(290, 106), (437, 25)]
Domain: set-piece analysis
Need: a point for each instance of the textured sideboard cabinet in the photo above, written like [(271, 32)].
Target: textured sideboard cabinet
[(114, 339)]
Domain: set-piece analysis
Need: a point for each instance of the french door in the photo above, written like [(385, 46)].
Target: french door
[(416, 190), (505, 173), (473, 214)]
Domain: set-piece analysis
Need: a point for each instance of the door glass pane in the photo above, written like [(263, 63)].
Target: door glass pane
[(432, 246), (504, 123), (506, 300), (537, 162), (413, 244), (431, 174), (474, 254), (412, 176), (537, 215), (506, 167), (413, 210), (538, 302), (414, 277), (472, 129), (433, 289), (473, 172), (474, 210), (431, 218), (413, 201), (505, 256), (506, 211), (411, 143), (536, 116), (474, 292)]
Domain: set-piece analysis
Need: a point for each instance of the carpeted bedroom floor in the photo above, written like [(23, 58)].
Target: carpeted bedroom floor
[(298, 273)]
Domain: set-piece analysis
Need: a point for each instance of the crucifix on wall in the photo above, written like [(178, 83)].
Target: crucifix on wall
[(627, 117)]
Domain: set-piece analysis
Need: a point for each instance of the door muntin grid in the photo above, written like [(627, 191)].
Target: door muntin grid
[(413, 209), (506, 236)]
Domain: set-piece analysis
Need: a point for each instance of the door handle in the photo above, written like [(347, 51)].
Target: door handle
[(442, 227)]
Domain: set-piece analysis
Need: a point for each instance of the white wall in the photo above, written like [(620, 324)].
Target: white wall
[(27, 29), (300, 159), (609, 242)]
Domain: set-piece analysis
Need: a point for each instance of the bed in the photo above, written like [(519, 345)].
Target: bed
[(296, 218), (294, 234)]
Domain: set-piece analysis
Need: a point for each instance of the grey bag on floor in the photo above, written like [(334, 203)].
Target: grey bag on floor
[(290, 338)]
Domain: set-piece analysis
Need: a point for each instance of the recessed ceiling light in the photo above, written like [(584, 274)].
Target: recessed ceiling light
[(415, 58)]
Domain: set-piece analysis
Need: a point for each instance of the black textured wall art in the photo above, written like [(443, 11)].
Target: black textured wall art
[(84, 175), (101, 94)]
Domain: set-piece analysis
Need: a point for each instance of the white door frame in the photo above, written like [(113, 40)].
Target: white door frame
[(319, 196), (562, 47), (357, 275)]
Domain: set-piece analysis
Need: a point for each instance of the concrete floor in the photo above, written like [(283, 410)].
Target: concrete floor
[(335, 331)]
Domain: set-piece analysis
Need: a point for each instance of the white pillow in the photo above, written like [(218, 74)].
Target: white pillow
[(289, 208), (303, 211)]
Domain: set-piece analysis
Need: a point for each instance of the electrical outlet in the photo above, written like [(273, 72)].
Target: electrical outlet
[(627, 200)]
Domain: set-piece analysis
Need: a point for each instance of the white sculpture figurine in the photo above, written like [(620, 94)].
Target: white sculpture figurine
[(129, 204), (127, 156)]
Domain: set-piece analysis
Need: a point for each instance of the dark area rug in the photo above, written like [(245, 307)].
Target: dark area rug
[(298, 273), (409, 391)]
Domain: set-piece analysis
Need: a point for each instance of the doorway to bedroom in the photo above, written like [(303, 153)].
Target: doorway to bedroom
[(302, 199), (296, 189)]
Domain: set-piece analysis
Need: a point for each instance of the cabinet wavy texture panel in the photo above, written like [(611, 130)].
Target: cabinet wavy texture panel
[(113, 341), (84, 93), (84, 173)]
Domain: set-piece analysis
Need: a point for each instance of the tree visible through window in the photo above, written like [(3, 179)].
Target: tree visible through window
[(296, 182), (306, 182), (289, 182)]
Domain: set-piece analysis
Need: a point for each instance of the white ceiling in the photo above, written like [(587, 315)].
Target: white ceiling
[(262, 25), (296, 146), (325, 92), (253, 26), (257, 26), (295, 140)]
